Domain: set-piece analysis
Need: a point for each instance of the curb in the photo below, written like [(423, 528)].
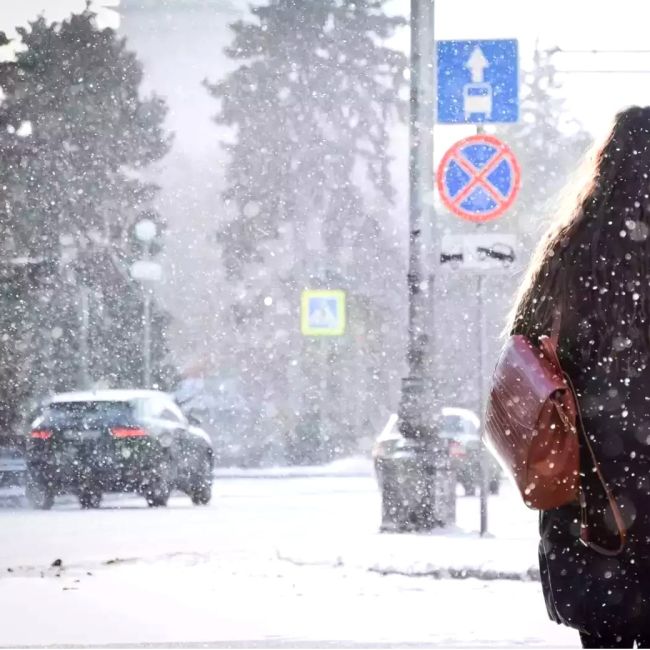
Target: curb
[(437, 573), (454, 573)]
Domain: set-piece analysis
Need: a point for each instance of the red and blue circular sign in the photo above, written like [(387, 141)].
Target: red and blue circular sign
[(479, 178)]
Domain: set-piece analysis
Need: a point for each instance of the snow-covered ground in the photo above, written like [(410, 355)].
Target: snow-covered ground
[(353, 466), (272, 562)]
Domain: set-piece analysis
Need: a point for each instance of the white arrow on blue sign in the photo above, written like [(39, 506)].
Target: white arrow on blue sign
[(478, 81)]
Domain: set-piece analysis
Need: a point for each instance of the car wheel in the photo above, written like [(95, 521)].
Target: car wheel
[(90, 498), (201, 488), (157, 487), (201, 496), (157, 494), (391, 509), (40, 496), (469, 489)]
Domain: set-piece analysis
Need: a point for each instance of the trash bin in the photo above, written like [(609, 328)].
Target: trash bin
[(417, 482)]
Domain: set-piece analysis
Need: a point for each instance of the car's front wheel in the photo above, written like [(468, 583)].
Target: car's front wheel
[(201, 488), (157, 486), (391, 507), (90, 498), (201, 496), (469, 488)]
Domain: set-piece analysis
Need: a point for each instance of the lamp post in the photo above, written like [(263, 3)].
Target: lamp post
[(416, 387), (419, 410), (147, 273)]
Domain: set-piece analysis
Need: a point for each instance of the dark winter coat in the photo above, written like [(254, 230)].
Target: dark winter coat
[(583, 589)]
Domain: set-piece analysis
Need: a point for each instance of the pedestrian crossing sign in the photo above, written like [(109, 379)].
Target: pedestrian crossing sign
[(322, 312)]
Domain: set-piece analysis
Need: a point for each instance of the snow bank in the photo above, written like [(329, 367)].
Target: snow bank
[(353, 466), (508, 552), (437, 555)]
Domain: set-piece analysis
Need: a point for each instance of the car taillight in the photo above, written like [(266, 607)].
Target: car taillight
[(456, 450), (128, 432), (41, 434)]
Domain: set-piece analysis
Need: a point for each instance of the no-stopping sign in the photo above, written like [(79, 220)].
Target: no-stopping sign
[(479, 178)]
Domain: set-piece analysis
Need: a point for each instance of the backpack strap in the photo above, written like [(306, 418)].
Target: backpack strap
[(555, 327), (549, 344), (616, 513)]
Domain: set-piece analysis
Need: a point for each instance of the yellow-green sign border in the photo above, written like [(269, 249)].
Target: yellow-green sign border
[(339, 296)]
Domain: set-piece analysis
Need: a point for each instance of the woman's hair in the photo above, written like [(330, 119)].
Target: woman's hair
[(594, 258)]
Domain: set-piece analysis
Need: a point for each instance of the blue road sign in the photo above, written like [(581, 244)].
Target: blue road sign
[(478, 178), (478, 82), (323, 313)]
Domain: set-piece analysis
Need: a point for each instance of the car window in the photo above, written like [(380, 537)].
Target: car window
[(174, 411), (459, 428), (161, 407), (452, 424), (86, 412), (168, 414)]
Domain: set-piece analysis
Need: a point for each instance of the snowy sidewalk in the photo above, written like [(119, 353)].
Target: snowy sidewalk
[(270, 563), (348, 536), (509, 551), (355, 466)]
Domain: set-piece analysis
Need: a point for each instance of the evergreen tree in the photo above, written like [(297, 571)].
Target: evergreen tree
[(75, 133), (312, 102)]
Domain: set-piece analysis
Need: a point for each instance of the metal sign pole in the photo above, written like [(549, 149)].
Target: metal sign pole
[(323, 315), (146, 324), (478, 83), (84, 361), (484, 487), (415, 419), (482, 451)]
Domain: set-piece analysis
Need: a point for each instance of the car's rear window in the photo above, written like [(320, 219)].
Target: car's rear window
[(101, 411), (452, 424)]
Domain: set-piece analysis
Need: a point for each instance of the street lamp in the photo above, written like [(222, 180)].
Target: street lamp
[(434, 489), (415, 419), (148, 273), (145, 231)]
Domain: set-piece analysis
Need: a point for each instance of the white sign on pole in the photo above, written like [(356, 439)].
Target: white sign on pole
[(146, 271), (487, 252)]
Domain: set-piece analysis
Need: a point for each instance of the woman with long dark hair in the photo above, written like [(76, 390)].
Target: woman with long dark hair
[(594, 267)]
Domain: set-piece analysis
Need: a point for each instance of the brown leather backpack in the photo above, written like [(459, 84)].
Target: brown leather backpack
[(532, 424)]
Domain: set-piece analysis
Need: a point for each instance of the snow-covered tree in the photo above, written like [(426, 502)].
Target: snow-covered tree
[(309, 192), (75, 132), (310, 102)]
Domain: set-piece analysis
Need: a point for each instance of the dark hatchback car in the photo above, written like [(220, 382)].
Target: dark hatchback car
[(116, 441)]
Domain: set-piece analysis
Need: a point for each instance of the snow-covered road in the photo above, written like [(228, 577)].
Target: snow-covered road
[(275, 562)]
